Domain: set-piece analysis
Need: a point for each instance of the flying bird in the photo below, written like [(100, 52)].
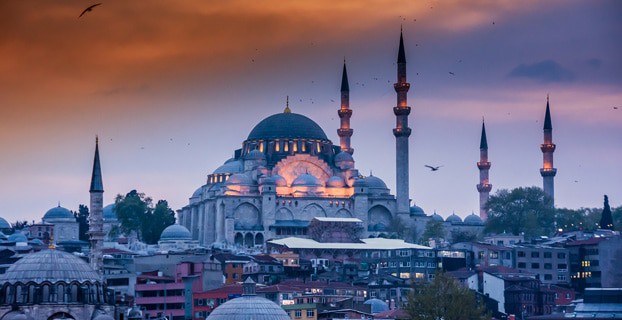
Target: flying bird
[(432, 168), (451, 73), (615, 108), (89, 9)]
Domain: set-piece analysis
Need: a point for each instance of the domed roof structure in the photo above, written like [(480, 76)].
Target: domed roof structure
[(473, 220), (230, 166), (375, 183), (454, 219), (343, 156), (50, 266), (335, 182), (377, 305), (436, 217), (416, 211), (4, 224), (306, 180), (175, 232), (17, 237), (255, 155), (359, 183), (287, 125), (279, 180), (197, 193), (239, 179), (16, 315), (57, 213), (108, 213), (249, 306)]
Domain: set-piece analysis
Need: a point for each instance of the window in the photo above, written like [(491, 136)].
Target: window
[(567, 295), (535, 254), (310, 313), (522, 265), (562, 266), (535, 265), (561, 277), (548, 255), (298, 314), (520, 254), (561, 255), (548, 266), (548, 277)]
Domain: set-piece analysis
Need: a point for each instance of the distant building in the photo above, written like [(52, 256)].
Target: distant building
[(65, 224)]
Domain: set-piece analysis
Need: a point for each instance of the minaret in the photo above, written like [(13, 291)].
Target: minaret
[(401, 132), (548, 147), (484, 185), (96, 231), (344, 131)]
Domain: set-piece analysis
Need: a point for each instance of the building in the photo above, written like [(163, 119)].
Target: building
[(65, 224), (594, 263)]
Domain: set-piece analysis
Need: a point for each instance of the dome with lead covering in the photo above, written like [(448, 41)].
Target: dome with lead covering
[(175, 232), (377, 305), (437, 217), (335, 182), (58, 213), (255, 155), (473, 220), (279, 180), (50, 266), (4, 224), (17, 237), (287, 125), (454, 219), (239, 179), (249, 306), (108, 213), (375, 183), (306, 180), (343, 156), (230, 166), (416, 211)]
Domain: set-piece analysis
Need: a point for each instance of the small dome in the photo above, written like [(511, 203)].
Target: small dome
[(255, 155), (343, 156), (436, 217), (359, 183), (17, 237), (335, 182), (50, 266), (454, 219), (249, 307), (279, 180), (268, 180), (36, 242), (175, 232), (4, 224), (230, 166), (473, 220), (239, 179), (375, 183), (197, 193), (108, 213), (57, 213), (306, 180), (377, 305), (416, 211)]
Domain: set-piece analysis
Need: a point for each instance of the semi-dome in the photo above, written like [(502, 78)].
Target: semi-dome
[(17, 237), (50, 266), (108, 213), (306, 180), (377, 305), (58, 213), (4, 224), (197, 193), (437, 217), (416, 211), (279, 180), (230, 166), (454, 219), (343, 156), (16, 315), (239, 179), (375, 183), (335, 182), (287, 125), (359, 183), (473, 220), (175, 232), (255, 155)]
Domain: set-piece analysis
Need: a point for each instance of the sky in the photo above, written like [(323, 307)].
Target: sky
[(173, 88)]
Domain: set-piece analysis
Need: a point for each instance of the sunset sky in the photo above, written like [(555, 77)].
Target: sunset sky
[(172, 88)]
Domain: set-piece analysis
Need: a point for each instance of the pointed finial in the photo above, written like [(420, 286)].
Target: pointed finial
[(287, 109), (59, 203), (483, 143), (96, 139), (96, 176), (547, 116), (371, 173), (345, 87), (401, 55)]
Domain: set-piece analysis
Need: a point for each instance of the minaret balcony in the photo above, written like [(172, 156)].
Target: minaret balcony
[(483, 165), (548, 172), (401, 111), (401, 132), (401, 86), (484, 187), (344, 113), (547, 147), (344, 132)]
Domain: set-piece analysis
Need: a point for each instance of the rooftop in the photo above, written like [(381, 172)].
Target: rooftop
[(367, 244)]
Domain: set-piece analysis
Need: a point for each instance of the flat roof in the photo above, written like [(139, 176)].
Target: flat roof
[(366, 244), (328, 219)]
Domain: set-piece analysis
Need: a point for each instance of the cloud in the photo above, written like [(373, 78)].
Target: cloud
[(594, 63), (544, 71)]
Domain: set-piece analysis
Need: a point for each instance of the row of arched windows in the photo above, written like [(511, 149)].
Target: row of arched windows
[(33, 293)]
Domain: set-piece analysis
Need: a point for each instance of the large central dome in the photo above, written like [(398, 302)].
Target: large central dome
[(287, 126)]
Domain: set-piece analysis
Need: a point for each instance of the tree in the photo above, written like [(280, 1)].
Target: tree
[(463, 236), (433, 230), (82, 216), (19, 225), (525, 210), (136, 213), (606, 219), (444, 298), (571, 219)]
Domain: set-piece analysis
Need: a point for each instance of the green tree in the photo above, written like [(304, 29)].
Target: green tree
[(444, 299), (82, 216), (525, 210), (570, 219), (136, 213), (462, 236), (19, 225), (433, 230), (606, 219)]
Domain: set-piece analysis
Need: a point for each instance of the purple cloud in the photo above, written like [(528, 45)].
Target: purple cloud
[(544, 71)]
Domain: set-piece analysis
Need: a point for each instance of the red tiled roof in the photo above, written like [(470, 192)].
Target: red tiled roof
[(395, 313)]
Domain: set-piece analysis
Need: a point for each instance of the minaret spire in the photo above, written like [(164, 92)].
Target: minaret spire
[(547, 171), (96, 228), (344, 131), (401, 132), (483, 165)]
